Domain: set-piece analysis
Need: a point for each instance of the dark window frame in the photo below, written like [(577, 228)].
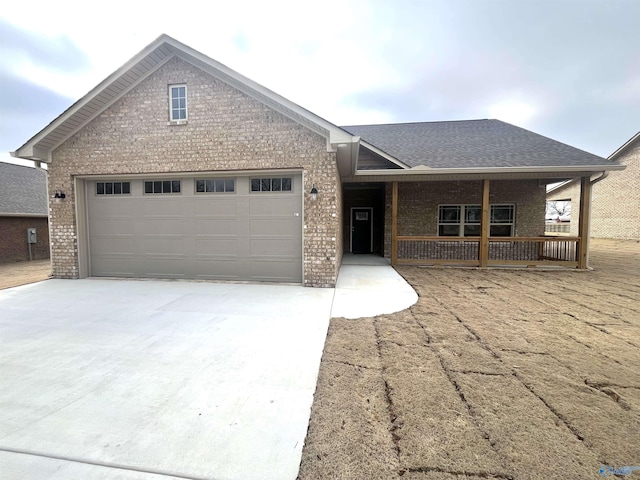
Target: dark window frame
[(108, 189), (162, 187), (467, 222), (282, 184)]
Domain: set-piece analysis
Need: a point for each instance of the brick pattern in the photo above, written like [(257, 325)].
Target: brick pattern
[(615, 201), (13, 239), (418, 205), (226, 130)]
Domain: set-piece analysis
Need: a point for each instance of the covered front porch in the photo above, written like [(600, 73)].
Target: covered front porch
[(472, 222)]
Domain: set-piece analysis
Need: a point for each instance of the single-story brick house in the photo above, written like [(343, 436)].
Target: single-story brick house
[(615, 203), (176, 166), (23, 206)]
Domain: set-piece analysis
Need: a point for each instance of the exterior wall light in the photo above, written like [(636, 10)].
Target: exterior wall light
[(313, 194)]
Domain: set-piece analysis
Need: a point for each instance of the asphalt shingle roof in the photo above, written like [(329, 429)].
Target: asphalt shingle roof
[(471, 144), (22, 190)]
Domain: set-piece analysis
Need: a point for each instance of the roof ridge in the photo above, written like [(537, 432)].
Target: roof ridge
[(418, 123)]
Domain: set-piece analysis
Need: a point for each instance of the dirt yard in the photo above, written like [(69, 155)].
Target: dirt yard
[(506, 374), (21, 273)]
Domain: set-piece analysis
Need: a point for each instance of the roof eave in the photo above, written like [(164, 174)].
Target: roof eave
[(421, 170)]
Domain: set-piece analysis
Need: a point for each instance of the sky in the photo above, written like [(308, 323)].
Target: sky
[(566, 69)]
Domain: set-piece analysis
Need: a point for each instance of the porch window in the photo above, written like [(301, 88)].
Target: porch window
[(464, 220)]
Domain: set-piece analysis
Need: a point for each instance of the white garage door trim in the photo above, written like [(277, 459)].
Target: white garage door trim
[(263, 241)]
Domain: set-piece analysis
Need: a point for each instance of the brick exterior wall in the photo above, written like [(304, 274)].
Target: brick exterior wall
[(418, 205), (13, 241), (615, 201), (226, 130)]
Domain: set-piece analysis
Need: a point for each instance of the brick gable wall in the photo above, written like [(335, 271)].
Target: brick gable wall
[(226, 130)]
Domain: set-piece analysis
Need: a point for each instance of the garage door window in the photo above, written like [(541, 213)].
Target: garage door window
[(215, 185), (271, 184), (162, 186), (113, 188)]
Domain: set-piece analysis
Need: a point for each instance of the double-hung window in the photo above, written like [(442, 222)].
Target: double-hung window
[(464, 220), (177, 103)]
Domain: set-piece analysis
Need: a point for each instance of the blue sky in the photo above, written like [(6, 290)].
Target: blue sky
[(567, 69)]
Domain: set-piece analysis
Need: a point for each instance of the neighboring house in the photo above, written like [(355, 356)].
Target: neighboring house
[(615, 202), (176, 166), (23, 205)]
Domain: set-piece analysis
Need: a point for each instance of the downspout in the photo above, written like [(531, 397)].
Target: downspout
[(604, 175), (38, 166)]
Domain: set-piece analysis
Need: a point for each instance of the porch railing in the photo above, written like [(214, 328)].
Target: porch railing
[(534, 251)]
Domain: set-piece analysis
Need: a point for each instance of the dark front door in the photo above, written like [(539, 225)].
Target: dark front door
[(361, 230)]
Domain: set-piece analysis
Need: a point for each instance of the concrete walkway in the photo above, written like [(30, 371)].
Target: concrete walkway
[(135, 379)]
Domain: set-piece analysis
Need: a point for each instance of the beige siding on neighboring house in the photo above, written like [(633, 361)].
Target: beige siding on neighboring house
[(418, 205), (615, 203), (226, 130)]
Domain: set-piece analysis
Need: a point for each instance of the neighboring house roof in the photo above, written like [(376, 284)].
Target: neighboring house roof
[(23, 191), (612, 158), (472, 144)]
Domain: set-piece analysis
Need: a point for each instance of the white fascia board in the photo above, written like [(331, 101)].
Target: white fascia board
[(28, 150), (624, 146), (491, 170)]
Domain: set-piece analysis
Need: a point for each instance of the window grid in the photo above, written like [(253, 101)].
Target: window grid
[(465, 220), (178, 102), (113, 188), (161, 186), (215, 185), (271, 184)]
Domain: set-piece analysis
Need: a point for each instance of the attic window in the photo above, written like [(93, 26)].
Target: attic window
[(177, 103)]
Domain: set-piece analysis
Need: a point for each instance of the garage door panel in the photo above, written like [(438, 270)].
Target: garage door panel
[(217, 269), (274, 270), (237, 236), (227, 226), (165, 225), (280, 247), (227, 245), (175, 205), (274, 206), (115, 265), (279, 227), (112, 244), (164, 244), (108, 225), (164, 266), (216, 205)]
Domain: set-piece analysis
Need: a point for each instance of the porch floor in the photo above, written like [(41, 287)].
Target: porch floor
[(364, 259)]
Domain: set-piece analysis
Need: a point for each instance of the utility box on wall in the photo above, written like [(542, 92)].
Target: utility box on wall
[(31, 235)]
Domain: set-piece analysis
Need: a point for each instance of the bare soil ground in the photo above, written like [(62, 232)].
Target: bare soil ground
[(507, 374), (21, 273)]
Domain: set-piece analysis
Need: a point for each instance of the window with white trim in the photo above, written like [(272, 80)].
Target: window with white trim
[(177, 103), (464, 220), (215, 185)]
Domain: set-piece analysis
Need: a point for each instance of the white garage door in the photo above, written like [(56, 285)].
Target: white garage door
[(226, 228)]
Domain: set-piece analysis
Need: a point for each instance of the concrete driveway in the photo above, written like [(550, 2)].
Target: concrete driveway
[(117, 379)]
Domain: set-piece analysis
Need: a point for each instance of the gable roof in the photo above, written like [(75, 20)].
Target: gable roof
[(23, 191), (472, 144), (141, 66)]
